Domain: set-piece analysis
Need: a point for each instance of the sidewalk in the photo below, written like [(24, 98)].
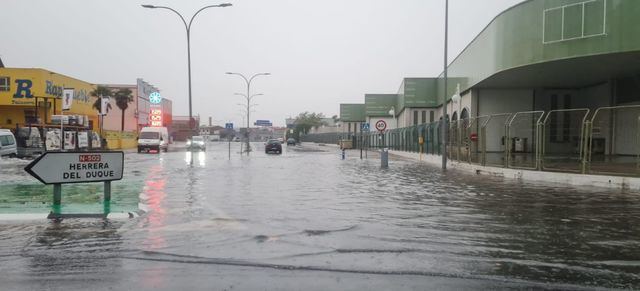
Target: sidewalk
[(605, 181)]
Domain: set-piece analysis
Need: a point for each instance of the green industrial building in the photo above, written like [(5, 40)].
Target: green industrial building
[(547, 82)]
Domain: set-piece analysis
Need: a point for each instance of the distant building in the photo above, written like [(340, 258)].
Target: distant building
[(180, 127), (32, 96), (329, 125), (352, 116)]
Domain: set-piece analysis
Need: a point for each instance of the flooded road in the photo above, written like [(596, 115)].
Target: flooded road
[(306, 220)]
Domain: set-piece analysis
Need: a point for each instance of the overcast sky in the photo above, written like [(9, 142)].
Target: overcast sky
[(320, 52)]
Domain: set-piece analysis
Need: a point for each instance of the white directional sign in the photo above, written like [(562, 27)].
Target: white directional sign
[(77, 167)]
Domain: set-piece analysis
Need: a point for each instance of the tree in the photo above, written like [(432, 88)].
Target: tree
[(305, 121), (123, 98), (100, 91)]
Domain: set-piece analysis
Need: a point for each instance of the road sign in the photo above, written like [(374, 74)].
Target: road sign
[(364, 127), (228, 125), (381, 125), (473, 137), (77, 167), (260, 122)]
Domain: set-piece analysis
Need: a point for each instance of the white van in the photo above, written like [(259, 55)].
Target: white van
[(153, 138), (8, 145)]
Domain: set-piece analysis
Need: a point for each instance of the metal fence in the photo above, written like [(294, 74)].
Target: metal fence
[(603, 141), (563, 140), (613, 141), (523, 140)]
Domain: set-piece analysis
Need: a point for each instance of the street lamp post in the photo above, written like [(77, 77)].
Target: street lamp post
[(248, 96), (248, 105), (444, 124), (188, 28)]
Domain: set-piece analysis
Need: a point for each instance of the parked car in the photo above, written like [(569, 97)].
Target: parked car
[(273, 145), (8, 145), (153, 138), (197, 143), (291, 141)]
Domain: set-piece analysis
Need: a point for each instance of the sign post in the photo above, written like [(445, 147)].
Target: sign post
[(364, 127), (57, 168), (381, 126)]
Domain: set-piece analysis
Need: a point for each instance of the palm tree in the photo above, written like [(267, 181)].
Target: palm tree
[(123, 98), (100, 91)]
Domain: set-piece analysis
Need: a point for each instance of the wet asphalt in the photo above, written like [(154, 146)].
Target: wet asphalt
[(307, 220)]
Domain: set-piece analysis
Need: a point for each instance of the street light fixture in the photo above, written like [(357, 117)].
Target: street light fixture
[(444, 125), (187, 26), (248, 96)]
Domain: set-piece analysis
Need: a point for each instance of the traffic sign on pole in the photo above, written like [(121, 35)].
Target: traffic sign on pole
[(228, 125), (381, 125), (365, 127), (59, 168), (77, 167)]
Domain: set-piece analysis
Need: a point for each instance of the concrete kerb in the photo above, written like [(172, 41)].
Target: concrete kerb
[(44, 216), (612, 182)]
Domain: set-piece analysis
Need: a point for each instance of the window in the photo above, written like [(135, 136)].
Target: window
[(574, 21), (415, 117), (30, 116), (6, 140), (424, 116), (4, 84), (431, 116), (149, 135)]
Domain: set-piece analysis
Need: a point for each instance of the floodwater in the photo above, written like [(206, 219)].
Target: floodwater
[(307, 220)]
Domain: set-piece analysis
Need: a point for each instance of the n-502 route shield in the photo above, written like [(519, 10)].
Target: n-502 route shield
[(77, 167)]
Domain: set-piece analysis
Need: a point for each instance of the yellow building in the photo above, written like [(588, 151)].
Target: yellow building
[(33, 95)]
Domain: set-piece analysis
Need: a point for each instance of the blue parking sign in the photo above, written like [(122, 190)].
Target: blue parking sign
[(228, 125)]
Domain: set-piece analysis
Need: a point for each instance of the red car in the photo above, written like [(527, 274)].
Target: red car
[(273, 146)]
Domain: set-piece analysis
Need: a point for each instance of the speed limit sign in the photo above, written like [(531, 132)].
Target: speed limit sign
[(381, 125)]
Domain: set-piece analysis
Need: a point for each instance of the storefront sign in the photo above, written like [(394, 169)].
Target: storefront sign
[(155, 117), (155, 98)]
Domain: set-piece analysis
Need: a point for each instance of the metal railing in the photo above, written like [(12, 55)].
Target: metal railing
[(567, 140), (604, 153), (495, 155), (520, 128), (563, 140)]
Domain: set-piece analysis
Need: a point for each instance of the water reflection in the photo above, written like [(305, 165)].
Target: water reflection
[(154, 197), (75, 245), (200, 157)]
